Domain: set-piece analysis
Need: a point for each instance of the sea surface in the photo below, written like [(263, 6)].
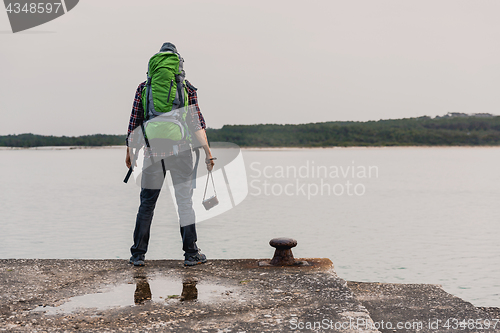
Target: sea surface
[(404, 215)]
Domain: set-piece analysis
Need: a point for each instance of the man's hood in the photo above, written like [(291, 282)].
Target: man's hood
[(168, 47)]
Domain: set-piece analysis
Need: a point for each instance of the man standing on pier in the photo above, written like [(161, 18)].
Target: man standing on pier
[(166, 150)]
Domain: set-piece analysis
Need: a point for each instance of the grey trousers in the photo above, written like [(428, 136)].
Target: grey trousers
[(180, 167)]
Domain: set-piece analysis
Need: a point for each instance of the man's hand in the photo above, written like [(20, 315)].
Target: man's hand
[(210, 163), (201, 137), (128, 160)]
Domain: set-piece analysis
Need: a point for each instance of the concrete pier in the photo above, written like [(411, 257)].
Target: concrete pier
[(220, 296)]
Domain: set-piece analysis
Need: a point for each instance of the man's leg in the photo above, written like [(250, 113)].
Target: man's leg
[(152, 181), (181, 167), (143, 221)]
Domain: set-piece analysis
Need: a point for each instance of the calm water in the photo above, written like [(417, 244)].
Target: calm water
[(408, 215)]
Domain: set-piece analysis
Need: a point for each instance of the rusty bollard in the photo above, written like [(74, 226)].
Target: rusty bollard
[(283, 255)]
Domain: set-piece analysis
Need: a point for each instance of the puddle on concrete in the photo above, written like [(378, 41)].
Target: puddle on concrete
[(162, 290)]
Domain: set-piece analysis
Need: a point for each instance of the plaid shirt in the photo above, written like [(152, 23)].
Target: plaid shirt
[(194, 118)]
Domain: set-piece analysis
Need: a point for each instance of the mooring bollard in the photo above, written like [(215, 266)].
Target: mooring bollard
[(283, 255)]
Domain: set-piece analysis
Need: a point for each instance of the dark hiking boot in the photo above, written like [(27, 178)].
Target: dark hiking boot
[(137, 260), (195, 259)]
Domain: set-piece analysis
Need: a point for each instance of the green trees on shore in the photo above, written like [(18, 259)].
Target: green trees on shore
[(423, 131), (32, 140)]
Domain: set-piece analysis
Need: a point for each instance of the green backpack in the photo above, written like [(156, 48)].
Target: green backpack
[(165, 98)]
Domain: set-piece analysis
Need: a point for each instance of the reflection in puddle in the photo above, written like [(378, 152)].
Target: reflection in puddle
[(161, 290), (142, 290), (189, 291)]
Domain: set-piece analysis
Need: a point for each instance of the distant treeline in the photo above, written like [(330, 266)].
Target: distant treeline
[(32, 140), (423, 131)]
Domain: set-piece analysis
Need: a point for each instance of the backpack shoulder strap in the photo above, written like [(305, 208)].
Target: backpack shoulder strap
[(145, 99)]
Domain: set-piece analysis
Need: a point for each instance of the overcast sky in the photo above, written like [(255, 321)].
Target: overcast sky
[(253, 62)]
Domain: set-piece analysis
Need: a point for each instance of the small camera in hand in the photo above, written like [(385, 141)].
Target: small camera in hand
[(210, 202)]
